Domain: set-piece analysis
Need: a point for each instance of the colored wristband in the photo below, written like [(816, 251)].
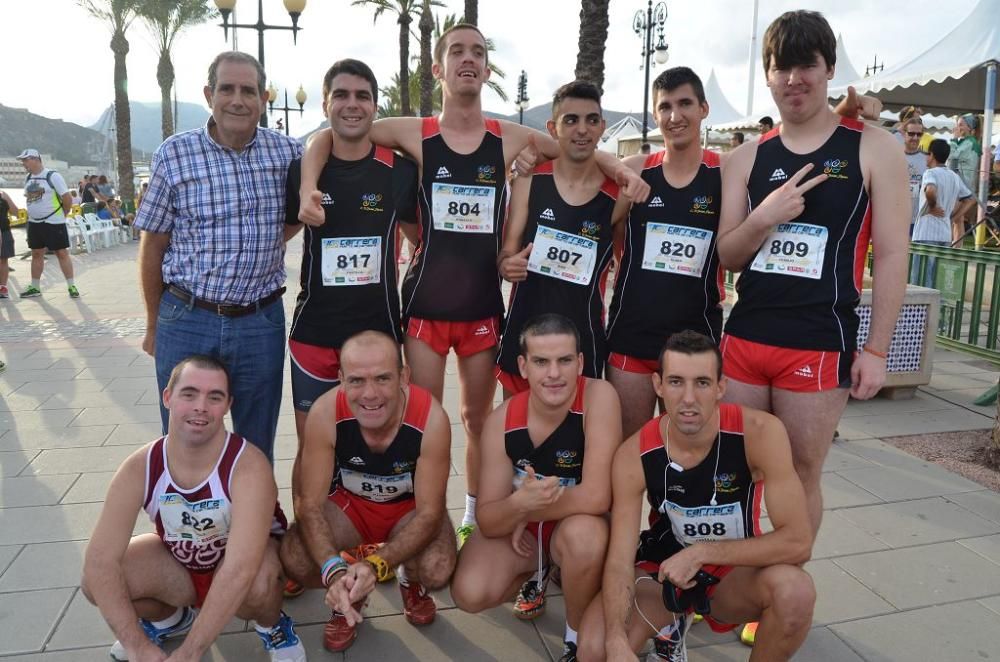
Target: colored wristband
[(873, 352), (333, 565), (379, 565)]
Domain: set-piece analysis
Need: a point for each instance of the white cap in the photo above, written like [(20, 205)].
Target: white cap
[(30, 154)]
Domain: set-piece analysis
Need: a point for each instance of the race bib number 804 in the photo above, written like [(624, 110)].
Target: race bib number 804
[(459, 208)]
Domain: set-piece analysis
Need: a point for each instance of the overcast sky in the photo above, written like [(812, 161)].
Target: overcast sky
[(58, 62)]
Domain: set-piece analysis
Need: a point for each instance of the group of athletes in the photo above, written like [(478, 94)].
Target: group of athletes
[(557, 473)]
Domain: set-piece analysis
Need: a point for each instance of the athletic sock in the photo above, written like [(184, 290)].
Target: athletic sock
[(36, 283), (70, 282), (570, 634), (263, 629), (469, 518), (401, 576), (169, 621)]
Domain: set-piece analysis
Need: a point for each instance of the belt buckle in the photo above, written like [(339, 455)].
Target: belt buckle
[(227, 310)]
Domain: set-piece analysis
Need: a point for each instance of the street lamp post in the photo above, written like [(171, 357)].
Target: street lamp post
[(522, 96), (295, 9), (272, 95), (643, 24)]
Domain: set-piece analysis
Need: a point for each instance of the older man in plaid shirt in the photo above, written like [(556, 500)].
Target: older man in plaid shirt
[(211, 258)]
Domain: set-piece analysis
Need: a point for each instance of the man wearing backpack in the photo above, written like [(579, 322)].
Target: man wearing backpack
[(48, 200)]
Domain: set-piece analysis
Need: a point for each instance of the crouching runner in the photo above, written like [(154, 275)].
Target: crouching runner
[(387, 444)]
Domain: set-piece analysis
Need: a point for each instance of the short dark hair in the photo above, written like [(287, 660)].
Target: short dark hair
[(939, 149), (578, 89), (548, 324), (204, 362), (364, 337), (739, 137), (795, 36), (768, 120), (442, 40), (240, 58), (691, 343), (674, 77), (353, 67)]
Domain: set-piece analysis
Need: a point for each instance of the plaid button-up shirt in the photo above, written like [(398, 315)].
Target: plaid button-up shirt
[(224, 211)]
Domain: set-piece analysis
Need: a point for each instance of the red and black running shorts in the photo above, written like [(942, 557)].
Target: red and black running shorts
[(720, 571), (373, 521), (202, 581), (315, 370), (467, 338), (798, 370), (542, 532), (627, 363)]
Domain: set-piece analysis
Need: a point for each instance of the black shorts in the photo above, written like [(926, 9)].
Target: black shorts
[(6, 244), (53, 236)]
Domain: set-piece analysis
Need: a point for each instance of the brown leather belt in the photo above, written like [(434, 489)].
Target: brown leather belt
[(225, 309)]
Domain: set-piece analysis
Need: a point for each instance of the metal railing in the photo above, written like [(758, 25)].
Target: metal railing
[(969, 282)]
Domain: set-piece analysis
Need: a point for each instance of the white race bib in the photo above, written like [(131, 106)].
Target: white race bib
[(568, 257), (676, 249), (460, 208), (520, 475), (200, 522), (793, 249), (375, 487), (691, 525), (352, 260)]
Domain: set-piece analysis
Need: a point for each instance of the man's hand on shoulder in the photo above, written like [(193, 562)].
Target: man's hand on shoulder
[(631, 184), (311, 209)]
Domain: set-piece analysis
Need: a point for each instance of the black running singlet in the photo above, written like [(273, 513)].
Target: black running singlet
[(670, 279), (463, 204), (715, 500), (801, 289), (567, 269), (560, 455), (381, 477), (349, 263)]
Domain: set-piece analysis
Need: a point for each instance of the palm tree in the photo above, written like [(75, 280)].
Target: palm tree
[(593, 35), (471, 12), (426, 77), (404, 10), (166, 19), (118, 15)]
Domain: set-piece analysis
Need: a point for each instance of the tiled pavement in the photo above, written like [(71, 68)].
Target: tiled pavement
[(907, 563)]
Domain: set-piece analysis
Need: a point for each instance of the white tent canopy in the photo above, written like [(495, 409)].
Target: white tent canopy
[(626, 125), (719, 108), (950, 76)]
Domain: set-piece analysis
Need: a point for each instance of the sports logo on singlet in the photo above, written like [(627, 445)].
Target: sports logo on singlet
[(702, 204), (547, 215), (371, 202), (833, 168), (793, 249), (563, 255), (443, 173), (327, 200), (657, 201), (778, 175)]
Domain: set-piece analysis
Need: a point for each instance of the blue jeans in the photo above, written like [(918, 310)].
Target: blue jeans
[(931, 265), (252, 347)]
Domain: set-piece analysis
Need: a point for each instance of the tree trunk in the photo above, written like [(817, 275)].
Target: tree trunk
[(471, 12), (123, 119), (165, 79), (593, 36), (404, 64), (993, 446), (426, 78)]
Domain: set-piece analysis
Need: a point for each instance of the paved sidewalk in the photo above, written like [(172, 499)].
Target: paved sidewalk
[(907, 564)]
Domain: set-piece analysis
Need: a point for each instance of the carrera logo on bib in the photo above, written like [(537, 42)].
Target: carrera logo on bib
[(486, 174), (443, 173), (833, 168), (726, 483), (371, 202), (702, 204), (547, 215)]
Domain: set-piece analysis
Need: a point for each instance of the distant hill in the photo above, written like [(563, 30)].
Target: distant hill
[(146, 133), (66, 141)]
